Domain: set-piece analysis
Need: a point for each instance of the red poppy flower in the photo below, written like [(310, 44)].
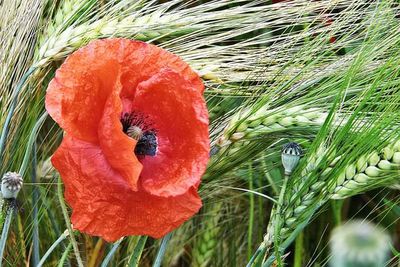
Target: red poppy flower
[(136, 138)]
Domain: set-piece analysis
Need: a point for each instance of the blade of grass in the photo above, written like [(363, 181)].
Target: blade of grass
[(161, 250), (35, 199), (62, 237), (68, 223), (11, 110), (251, 215), (111, 253), (137, 252), (65, 255), (4, 233)]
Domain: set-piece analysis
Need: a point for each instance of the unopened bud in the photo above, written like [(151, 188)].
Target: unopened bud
[(291, 154), (11, 183), (359, 244)]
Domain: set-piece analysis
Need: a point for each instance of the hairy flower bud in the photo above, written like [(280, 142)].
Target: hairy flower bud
[(11, 183)]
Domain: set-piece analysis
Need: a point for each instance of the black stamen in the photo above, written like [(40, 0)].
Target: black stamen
[(147, 144)]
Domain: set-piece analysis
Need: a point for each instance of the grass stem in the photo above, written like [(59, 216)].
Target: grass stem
[(52, 247), (137, 252), (111, 253), (4, 233), (14, 100), (161, 250), (251, 215), (35, 199), (68, 223), (298, 251)]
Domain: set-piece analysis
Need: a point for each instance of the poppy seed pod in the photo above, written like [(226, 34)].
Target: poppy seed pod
[(291, 154), (359, 244), (11, 183)]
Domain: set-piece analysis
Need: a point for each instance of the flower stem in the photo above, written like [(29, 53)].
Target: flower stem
[(64, 255), (298, 252), (137, 252), (111, 253), (251, 216), (52, 247), (35, 199), (278, 222), (31, 141), (161, 250), (13, 105), (4, 233), (67, 222)]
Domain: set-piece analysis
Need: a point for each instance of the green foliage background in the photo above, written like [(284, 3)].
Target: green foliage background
[(324, 74)]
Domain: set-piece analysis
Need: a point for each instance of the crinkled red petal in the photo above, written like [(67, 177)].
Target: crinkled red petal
[(178, 112), (116, 145), (104, 205), (85, 96), (76, 96)]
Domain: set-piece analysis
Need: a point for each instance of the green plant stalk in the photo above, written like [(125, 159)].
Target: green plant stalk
[(337, 211), (14, 100), (298, 250), (278, 223), (4, 233), (31, 141), (35, 199), (67, 222), (161, 250), (62, 237), (65, 255), (137, 252), (251, 215), (111, 253)]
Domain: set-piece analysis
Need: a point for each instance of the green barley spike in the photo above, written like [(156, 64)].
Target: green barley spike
[(206, 244)]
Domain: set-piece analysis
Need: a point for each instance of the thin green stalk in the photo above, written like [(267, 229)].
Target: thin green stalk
[(161, 250), (337, 211), (13, 105), (67, 222), (251, 216), (31, 140), (278, 223), (111, 253), (35, 199), (4, 233), (260, 250), (298, 250), (137, 252), (269, 178), (65, 255), (62, 237)]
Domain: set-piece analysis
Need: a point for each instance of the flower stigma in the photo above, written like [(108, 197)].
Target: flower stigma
[(137, 127)]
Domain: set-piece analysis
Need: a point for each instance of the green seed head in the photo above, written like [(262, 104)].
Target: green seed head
[(291, 154), (11, 183), (359, 244)]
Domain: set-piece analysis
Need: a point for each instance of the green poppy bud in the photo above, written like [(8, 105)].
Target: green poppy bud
[(291, 154), (359, 244)]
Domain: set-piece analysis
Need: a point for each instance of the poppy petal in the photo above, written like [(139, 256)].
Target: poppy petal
[(178, 112), (104, 205), (76, 96), (141, 61), (117, 147)]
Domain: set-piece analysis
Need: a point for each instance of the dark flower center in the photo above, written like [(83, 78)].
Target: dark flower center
[(137, 127)]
